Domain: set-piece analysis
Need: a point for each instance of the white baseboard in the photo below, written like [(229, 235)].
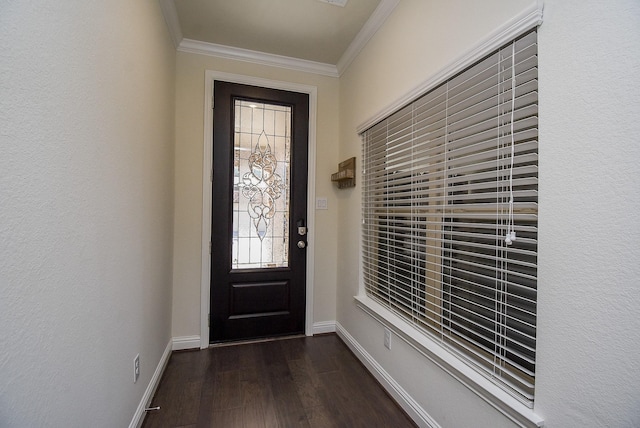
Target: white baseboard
[(411, 406), (138, 417), (193, 342), (186, 342), (322, 327)]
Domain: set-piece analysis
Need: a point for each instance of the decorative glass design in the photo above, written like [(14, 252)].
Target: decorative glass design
[(261, 185)]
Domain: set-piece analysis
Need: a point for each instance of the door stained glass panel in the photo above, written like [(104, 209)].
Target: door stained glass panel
[(261, 184)]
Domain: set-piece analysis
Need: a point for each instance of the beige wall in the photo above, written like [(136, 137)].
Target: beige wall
[(190, 92), (86, 208)]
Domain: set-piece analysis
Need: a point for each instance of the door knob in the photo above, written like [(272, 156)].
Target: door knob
[(302, 244)]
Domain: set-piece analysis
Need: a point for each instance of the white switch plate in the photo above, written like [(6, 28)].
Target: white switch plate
[(322, 204)]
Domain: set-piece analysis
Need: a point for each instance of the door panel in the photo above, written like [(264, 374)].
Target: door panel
[(247, 299), (259, 198)]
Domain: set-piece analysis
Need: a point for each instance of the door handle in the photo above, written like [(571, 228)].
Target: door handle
[(302, 244)]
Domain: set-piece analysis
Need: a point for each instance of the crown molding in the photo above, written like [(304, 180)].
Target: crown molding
[(375, 21), (255, 57), (373, 24), (173, 23)]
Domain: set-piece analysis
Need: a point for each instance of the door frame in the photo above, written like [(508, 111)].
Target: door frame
[(207, 185)]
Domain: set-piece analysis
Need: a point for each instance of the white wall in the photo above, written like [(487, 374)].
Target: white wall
[(589, 258), (588, 372), (86, 208), (188, 183)]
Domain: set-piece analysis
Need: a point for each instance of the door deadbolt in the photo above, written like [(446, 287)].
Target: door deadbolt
[(302, 229), (302, 244)]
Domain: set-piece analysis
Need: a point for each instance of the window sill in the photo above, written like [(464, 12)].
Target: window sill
[(481, 386)]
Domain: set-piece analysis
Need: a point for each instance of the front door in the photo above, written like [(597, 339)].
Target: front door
[(258, 255)]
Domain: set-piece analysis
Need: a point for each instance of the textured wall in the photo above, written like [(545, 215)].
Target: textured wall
[(86, 208), (189, 151), (589, 258)]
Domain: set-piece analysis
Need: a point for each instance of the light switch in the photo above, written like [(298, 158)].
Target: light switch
[(322, 204)]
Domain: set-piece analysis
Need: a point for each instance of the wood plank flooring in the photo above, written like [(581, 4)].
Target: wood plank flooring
[(311, 382)]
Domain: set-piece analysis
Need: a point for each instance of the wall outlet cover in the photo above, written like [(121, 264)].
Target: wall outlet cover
[(136, 368)]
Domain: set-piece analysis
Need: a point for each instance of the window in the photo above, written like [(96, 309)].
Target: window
[(446, 180)]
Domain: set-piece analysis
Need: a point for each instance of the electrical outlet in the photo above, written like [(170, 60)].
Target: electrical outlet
[(136, 368), (387, 338)]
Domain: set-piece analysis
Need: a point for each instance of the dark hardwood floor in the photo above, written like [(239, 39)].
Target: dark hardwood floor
[(296, 382)]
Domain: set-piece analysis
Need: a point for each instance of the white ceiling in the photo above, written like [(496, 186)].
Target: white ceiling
[(309, 35)]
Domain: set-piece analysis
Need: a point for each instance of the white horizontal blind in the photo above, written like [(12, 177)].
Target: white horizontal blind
[(438, 175)]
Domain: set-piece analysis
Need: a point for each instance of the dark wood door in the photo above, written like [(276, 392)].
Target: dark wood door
[(258, 252)]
